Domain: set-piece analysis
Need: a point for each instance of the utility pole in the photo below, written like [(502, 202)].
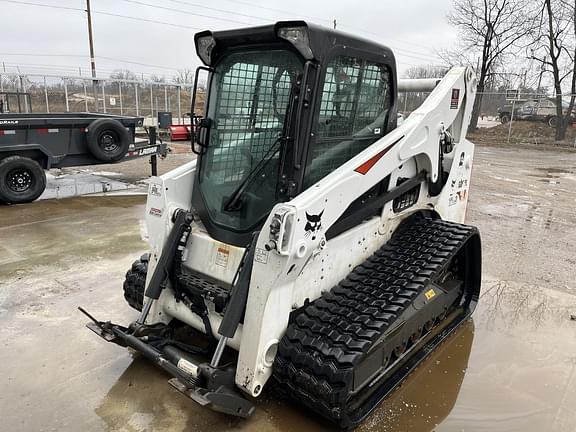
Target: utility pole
[(92, 60)]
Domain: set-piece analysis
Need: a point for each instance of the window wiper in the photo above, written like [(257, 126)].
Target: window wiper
[(231, 203)]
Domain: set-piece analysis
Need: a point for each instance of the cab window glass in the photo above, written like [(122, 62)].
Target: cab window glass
[(353, 113)]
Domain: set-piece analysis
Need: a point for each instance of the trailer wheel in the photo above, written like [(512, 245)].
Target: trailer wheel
[(108, 140), (22, 180), (552, 121), (135, 283), (504, 118)]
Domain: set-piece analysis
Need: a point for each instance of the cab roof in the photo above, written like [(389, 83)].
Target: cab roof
[(321, 40)]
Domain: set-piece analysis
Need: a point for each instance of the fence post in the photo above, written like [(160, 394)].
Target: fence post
[(137, 103), (151, 100), (120, 97), (179, 105), (511, 119), (46, 96), (66, 95), (85, 96), (26, 109), (104, 96), (165, 98)]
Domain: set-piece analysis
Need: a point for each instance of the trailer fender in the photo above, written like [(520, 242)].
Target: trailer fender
[(37, 152)]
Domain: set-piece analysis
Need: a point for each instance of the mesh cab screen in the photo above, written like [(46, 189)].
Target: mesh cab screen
[(248, 103)]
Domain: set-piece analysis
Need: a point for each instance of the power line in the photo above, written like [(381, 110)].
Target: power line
[(22, 2), (405, 52), (219, 10), (314, 18), (26, 3), (278, 10), (98, 57), (145, 20), (41, 69), (41, 5), (40, 55), (185, 12)]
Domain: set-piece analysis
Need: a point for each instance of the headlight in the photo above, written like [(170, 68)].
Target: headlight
[(297, 36), (204, 47)]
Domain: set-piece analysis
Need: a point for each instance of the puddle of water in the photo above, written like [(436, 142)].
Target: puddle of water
[(555, 170), (67, 186), (512, 369)]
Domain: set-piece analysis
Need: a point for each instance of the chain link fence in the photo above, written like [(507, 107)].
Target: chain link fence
[(51, 93), (507, 117)]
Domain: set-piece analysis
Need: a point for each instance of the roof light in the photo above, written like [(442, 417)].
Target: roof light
[(297, 36), (204, 47)]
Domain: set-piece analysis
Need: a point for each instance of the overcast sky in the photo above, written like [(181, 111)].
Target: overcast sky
[(42, 39)]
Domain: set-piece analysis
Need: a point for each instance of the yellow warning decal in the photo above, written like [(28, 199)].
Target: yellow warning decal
[(430, 294)]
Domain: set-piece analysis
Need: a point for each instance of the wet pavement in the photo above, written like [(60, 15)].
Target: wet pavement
[(513, 368)]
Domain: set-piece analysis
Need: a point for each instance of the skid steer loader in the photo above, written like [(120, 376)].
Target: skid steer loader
[(314, 242)]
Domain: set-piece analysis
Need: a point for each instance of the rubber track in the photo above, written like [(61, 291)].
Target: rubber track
[(135, 283), (332, 334)]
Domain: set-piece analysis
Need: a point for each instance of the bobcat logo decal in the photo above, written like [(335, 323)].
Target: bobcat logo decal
[(313, 224)]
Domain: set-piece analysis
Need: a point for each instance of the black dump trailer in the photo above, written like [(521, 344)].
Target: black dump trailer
[(32, 143)]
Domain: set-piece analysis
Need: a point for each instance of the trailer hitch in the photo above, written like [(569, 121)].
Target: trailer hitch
[(212, 387)]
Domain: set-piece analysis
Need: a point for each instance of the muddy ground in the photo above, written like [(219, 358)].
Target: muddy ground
[(522, 133), (511, 368)]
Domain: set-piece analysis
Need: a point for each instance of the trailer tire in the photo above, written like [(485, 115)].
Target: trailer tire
[(135, 282), (552, 121), (22, 180), (108, 140), (504, 118)]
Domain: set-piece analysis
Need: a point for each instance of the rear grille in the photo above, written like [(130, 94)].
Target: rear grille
[(407, 199)]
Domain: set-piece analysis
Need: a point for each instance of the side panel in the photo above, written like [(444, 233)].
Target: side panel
[(453, 200), (275, 287), (166, 193)]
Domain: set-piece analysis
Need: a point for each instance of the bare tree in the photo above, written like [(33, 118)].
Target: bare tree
[(554, 45), (426, 71), (124, 74), (184, 76), (488, 31), (158, 79)]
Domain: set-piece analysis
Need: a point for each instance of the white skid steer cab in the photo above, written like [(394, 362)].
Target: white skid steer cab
[(314, 242)]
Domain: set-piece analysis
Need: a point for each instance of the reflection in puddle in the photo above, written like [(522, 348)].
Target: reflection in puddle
[(142, 400), (509, 305), (66, 186), (428, 396)]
